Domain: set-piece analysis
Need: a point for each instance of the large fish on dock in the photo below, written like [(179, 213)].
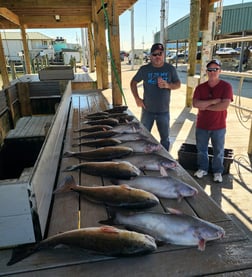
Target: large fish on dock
[(161, 186), (175, 228), (117, 109), (128, 128), (122, 169), (151, 161), (105, 121), (105, 240), (101, 154), (94, 128), (130, 137), (142, 146), (114, 196), (99, 142), (98, 134)]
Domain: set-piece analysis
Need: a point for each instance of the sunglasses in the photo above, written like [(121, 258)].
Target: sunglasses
[(212, 69), (157, 54)]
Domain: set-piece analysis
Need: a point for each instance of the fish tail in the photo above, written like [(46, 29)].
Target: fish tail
[(71, 168), (67, 184), (68, 154), (22, 252)]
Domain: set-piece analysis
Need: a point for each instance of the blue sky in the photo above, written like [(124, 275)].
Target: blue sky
[(146, 22)]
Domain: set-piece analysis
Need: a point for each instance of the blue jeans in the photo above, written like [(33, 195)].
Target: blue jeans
[(217, 139), (163, 125)]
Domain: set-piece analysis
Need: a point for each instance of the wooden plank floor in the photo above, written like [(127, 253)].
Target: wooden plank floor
[(231, 255)]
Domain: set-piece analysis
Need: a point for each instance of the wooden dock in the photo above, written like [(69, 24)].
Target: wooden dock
[(230, 255)]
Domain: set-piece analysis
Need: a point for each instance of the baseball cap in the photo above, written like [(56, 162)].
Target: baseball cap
[(157, 46), (215, 61)]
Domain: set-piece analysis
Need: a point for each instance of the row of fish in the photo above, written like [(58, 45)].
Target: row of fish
[(142, 155), (129, 194)]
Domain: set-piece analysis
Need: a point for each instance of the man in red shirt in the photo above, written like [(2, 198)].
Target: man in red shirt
[(212, 99)]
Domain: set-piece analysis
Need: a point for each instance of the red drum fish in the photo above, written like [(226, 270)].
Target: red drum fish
[(101, 154), (114, 196), (123, 169), (105, 240)]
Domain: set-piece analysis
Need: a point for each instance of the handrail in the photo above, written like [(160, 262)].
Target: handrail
[(231, 40)]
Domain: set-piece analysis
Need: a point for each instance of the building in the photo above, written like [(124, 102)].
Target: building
[(38, 44)]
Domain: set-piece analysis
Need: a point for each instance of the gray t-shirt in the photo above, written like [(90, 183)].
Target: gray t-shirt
[(156, 100)]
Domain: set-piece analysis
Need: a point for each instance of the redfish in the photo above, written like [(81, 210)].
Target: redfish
[(123, 169), (114, 196), (101, 154), (105, 240)]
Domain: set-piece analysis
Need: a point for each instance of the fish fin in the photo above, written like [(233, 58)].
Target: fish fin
[(67, 184), (108, 229), (21, 252), (202, 245), (180, 197), (174, 211), (163, 172), (124, 186)]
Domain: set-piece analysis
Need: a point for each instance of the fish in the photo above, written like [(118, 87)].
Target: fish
[(114, 196), (101, 154), (142, 146), (126, 119), (99, 142), (94, 128), (104, 121), (105, 240), (98, 134), (151, 161), (174, 228), (128, 128), (130, 137), (97, 114), (122, 169), (122, 117), (97, 117), (117, 109), (161, 186)]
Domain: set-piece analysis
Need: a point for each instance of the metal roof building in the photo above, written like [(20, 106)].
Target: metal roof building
[(235, 20)]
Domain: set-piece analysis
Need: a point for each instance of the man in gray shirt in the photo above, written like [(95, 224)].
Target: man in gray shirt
[(159, 78)]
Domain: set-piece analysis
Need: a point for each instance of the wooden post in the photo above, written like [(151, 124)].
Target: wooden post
[(114, 38), (3, 68), (26, 52), (91, 48), (100, 48), (194, 31)]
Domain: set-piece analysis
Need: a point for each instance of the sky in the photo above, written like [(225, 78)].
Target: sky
[(146, 22)]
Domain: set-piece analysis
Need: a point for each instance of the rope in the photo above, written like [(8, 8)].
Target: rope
[(110, 53)]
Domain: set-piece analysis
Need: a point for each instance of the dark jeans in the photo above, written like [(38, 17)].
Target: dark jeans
[(163, 125), (217, 139)]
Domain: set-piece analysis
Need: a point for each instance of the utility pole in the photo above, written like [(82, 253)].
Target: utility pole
[(162, 20), (132, 38)]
